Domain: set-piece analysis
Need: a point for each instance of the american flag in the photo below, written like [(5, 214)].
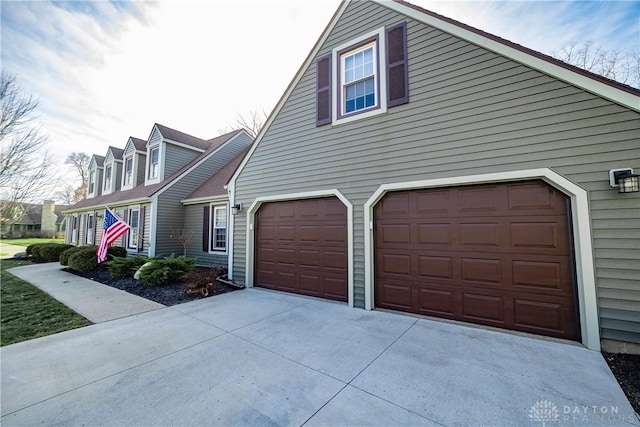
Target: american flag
[(114, 227)]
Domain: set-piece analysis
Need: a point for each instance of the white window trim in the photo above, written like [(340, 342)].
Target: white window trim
[(90, 232), (74, 229), (381, 82), (130, 233), (95, 182), (161, 153), (105, 189), (585, 272), (124, 185), (250, 232), (213, 207)]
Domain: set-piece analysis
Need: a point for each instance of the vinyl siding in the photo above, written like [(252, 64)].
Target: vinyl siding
[(193, 223), (141, 161), (176, 157), (471, 111), (171, 213)]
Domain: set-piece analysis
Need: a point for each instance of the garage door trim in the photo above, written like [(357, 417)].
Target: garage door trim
[(587, 302), (250, 243)]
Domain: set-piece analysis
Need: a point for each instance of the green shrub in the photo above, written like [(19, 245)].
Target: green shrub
[(125, 267), (48, 252), (86, 259), (117, 251), (29, 250), (165, 271), (64, 255)]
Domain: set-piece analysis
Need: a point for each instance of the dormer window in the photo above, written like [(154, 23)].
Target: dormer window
[(92, 182), (128, 171), (154, 158), (107, 178)]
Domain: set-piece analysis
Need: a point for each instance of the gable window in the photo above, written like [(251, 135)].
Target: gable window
[(154, 157), (134, 222), (92, 182), (358, 77), (364, 77), (90, 230), (128, 171), (107, 178)]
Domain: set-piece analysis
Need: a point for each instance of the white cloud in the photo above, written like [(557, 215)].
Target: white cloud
[(103, 73)]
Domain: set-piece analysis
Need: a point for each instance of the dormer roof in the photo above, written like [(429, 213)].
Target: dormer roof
[(180, 137)]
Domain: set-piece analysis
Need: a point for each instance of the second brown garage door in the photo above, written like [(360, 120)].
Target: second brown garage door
[(496, 255), (301, 247)]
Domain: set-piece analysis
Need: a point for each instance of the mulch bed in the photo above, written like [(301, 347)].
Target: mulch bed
[(167, 295), (626, 369)]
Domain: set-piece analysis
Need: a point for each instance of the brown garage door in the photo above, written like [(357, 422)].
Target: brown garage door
[(496, 255), (301, 247)]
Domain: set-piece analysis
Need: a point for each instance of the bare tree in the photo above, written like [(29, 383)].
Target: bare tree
[(68, 195), (252, 123), (80, 162), (26, 170), (183, 237), (622, 66)]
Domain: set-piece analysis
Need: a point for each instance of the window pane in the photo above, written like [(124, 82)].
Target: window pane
[(368, 55), (350, 106)]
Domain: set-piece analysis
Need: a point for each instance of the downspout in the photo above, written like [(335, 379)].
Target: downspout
[(230, 235), (153, 221)]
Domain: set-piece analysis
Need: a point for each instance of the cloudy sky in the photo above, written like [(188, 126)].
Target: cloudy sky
[(104, 71)]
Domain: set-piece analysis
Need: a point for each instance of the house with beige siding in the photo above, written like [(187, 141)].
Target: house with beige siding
[(144, 184), (419, 165)]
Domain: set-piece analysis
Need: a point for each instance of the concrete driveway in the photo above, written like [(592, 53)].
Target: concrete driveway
[(257, 358)]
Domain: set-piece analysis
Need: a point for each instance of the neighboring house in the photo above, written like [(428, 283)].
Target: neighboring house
[(144, 183), (420, 165), (45, 220)]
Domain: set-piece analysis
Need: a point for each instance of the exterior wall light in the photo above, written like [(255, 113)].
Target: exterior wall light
[(625, 180), (235, 209)]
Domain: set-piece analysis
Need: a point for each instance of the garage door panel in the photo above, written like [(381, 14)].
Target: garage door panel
[(482, 308), (480, 234), (540, 274), (307, 252), (556, 319), (336, 260), (396, 296), (481, 270), (436, 302), (491, 254), (396, 264), (333, 233), (433, 202), (434, 234), (479, 200), (528, 197), (435, 267), (395, 233)]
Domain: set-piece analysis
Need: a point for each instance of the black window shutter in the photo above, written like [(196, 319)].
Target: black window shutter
[(397, 72), (141, 228), (125, 237), (323, 90), (205, 229)]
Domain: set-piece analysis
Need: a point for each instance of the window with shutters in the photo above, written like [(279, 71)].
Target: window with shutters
[(134, 232), (90, 229), (364, 77), (219, 228)]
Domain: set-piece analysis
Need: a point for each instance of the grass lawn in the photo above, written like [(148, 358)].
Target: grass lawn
[(26, 312), (31, 241)]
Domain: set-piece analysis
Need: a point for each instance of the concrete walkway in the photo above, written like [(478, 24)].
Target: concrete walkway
[(93, 300), (254, 357)]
